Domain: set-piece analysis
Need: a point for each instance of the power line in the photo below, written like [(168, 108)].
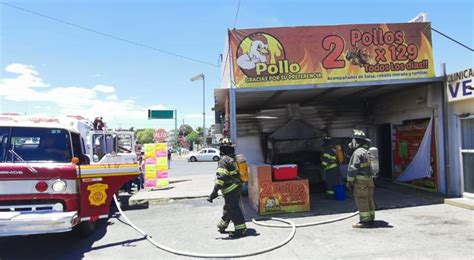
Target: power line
[(463, 45), (108, 35), (236, 14)]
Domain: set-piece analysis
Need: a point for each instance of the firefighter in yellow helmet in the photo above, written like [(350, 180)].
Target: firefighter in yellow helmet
[(228, 182), (360, 179)]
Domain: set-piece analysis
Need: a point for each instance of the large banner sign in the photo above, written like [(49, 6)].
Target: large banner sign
[(329, 54), (460, 85)]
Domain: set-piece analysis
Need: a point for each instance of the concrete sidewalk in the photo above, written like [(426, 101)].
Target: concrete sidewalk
[(184, 187), (430, 232), (466, 203)]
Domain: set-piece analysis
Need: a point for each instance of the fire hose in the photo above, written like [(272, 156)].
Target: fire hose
[(290, 224)]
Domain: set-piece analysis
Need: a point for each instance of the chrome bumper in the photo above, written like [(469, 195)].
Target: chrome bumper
[(29, 223)]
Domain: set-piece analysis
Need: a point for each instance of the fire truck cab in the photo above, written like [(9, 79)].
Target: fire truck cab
[(53, 176), (104, 146)]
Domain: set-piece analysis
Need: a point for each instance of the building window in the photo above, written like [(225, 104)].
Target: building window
[(467, 151)]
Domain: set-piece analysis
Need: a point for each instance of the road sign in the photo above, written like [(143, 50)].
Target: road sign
[(160, 114), (160, 135)]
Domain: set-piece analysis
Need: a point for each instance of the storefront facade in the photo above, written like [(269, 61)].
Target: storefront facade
[(460, 91), (332, 80)]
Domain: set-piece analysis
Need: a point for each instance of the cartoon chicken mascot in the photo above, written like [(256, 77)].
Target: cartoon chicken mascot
[(256, 54)]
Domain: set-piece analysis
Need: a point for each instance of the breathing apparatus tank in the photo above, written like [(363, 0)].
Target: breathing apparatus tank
[(373, 151), (374, 161), (339, 154), (242, 167)]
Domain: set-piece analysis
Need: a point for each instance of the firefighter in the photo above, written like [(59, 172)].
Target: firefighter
[(98, 124), (228, 181), (360, 179), (331, 171)]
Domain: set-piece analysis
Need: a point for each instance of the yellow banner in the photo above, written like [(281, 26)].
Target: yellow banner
[(149, 150), (162, 161), (331, 54), (162, 183), (161, 147)]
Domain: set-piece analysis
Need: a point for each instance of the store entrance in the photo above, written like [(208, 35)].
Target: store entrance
[(467, 151), (384, 143)]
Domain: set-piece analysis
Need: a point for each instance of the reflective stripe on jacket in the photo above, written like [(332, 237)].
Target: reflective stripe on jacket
[(328, 158), (227, 176), (359, 164)]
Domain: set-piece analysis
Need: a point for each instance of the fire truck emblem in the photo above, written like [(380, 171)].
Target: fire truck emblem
[(97, 195)]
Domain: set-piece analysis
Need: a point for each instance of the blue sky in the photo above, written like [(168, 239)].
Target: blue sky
[(63, 70)]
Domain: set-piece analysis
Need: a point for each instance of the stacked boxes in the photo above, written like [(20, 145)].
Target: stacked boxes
[(274, 197), (156, 166)]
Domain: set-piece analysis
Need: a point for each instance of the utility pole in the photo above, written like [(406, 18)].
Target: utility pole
[(176, 127), (198, 77)]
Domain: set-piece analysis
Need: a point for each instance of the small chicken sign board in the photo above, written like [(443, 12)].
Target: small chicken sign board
[(460, 85), (329, 54)]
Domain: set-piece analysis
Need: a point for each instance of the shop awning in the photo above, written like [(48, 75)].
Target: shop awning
[(255, 99)]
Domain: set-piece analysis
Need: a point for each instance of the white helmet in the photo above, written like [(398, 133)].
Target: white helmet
[(358, 138)]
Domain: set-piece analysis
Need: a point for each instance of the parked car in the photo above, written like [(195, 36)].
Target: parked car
[(206, 154)]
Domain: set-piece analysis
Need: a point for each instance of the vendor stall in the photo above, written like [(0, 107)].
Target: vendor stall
[(283, 89)]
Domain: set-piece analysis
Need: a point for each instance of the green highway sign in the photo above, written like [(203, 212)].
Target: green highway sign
[(160, 114)]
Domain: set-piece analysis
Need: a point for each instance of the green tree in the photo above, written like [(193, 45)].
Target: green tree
[(185, 129), (194, 137), (199, 130), (144, 136)]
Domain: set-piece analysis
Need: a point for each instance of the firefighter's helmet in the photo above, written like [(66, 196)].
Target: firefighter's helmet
[(225, 141), (359, 139), (226, 147), (359, 134), (326, 140)]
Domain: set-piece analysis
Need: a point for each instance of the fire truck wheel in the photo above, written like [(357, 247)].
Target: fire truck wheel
[(86, 228)]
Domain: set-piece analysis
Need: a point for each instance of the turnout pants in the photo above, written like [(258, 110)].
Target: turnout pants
[(232, 211), (332, 177), (364, 198)]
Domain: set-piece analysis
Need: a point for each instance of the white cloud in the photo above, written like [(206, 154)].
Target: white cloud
[(198, 116), (112, 97), (104, 89), (157, 107), (18, 68), (21, 87), (67, 100)]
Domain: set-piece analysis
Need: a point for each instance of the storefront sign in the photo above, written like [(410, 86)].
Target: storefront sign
[(284, 197), (329, 54), (273, 197), (460, 85)]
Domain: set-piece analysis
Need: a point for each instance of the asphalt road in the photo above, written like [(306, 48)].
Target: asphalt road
[(410, 226), (180, 167)]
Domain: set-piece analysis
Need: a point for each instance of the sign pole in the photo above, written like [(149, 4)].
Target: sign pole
[(176, 126), (203, 110)]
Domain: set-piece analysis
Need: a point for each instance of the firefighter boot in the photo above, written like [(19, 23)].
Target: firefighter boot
[(362, 225), (222, 225), (329, 195), (240, 231)]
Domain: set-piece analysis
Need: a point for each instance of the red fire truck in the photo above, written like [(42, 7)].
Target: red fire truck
[(47, 181)]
